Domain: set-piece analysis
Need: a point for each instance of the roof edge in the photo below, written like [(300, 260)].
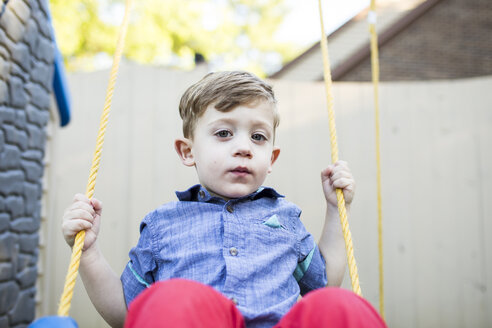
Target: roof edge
[(315, 46), (384, 37)]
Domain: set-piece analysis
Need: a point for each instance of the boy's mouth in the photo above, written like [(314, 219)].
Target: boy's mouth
[(240, 171)]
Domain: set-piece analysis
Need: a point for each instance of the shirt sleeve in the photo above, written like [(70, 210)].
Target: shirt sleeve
[(139, 272), (310, 272)]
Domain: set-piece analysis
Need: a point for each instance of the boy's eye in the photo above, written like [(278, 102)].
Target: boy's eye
[(223, 134), (258, 137)]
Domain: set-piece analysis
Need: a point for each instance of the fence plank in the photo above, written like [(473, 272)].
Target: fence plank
[(436, 148)]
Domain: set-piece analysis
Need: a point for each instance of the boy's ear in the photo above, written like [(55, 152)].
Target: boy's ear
[(183, 147), (275, 153)]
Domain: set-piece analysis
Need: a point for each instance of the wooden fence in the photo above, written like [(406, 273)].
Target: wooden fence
[(436, 169)]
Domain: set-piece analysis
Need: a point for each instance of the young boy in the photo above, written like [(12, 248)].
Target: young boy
[(230, 233)]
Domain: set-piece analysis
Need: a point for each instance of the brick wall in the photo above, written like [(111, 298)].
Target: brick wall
[(452, 40), (26, 74)]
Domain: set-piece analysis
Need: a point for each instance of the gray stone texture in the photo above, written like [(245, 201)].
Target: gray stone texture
[(18, 71), (39, 96), (33, 155), (37, 137), (24, 225), (46, 50), (4, 323), (31, 195), (4, 89), (10, 157), (7, 115), (9, 293), (43, 74), (15, 206), (4, 222), (32, 170), (16, 136), (7, 245), (32, 36), (26, 74), (21, 9), (4, 67), (27, 277), (20, 119), (18, 96), (24, 260), (21, 56), (23, 311), (12, 25), (2, 141), (11, 182), (6, 271), (28, 243), (3, 52), (36, 116)]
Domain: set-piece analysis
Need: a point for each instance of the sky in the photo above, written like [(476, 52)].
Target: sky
[(302, 25)]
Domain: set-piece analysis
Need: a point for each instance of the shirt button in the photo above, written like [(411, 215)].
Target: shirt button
[(233, 251), (201, 193), (234, 300), (230, 209)]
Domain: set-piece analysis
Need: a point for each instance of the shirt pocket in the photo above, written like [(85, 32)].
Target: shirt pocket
[(274, 222), (274, 229)]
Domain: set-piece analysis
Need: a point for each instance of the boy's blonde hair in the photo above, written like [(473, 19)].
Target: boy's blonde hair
[(225, 90)]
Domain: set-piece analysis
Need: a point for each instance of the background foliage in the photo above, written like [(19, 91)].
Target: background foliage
[(229, 34)]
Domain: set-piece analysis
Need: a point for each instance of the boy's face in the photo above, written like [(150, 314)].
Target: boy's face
[(232, 151)]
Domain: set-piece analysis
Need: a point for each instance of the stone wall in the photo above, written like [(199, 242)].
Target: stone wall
[(450, 41), (26, 74)]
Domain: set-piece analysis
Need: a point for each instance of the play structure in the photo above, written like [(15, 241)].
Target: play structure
[(63, 319)]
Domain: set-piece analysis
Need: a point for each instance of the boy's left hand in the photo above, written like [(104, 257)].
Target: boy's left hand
[(338, 176)]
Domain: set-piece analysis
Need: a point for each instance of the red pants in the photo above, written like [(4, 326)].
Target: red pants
[(185, 303)]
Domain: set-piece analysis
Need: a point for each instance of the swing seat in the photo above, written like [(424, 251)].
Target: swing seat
[(54, 322)]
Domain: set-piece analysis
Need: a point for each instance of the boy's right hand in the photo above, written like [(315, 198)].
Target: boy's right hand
[(83, 214)]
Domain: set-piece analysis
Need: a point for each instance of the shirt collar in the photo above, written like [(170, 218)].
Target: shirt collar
[(198, 193)]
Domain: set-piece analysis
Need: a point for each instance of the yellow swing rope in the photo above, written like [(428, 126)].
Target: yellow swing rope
[(66, 298), (375, 83), (354, 276)]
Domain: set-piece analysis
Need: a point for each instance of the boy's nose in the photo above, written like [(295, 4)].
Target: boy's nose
[(243, 149), (243, 152)]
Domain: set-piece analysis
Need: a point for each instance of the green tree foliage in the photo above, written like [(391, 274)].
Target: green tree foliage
[(229, 34)]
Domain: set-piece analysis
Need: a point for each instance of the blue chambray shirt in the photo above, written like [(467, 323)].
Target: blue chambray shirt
[(253, 249)]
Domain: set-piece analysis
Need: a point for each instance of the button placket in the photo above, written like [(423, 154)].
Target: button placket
[(232, 243)]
